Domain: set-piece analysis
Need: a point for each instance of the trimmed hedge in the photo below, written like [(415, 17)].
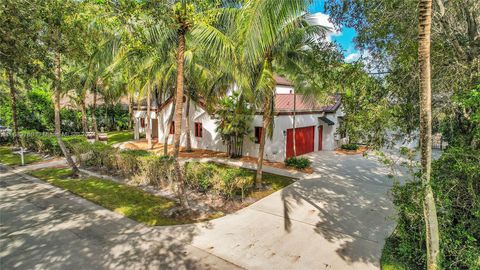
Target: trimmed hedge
[(298, 163), (349, 146)]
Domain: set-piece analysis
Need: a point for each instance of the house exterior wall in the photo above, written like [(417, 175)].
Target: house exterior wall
[(275, 148)]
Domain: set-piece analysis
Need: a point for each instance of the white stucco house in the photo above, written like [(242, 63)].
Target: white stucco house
[(316, 126)]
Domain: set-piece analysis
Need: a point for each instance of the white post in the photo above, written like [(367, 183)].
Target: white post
[(21, 156), (136, 131)]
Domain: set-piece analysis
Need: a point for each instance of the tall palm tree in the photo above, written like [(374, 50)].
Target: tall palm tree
[(429, 208), (264, 25), (13, 95)]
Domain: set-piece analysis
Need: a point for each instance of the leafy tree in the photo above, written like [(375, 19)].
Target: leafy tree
[(233, 123), (19, 46)]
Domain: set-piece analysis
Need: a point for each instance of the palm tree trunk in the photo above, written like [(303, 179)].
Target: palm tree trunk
[(429, 208), (294, 124), (148, 131), (58, 130), (94, 108), (178, 116), (167, 130), (84, 116), (13, 94), (130, 111), (267, 118), (187, 127)]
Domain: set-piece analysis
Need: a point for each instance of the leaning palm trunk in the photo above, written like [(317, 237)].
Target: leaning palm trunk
[(58, 131), (188, 147), (178, 117), (267, 119), (94, 108), (84, 116), (429, 208), (13, 94), (148, 131), (130, 111)]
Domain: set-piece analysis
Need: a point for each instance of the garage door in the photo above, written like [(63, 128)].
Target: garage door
[(305, 140)]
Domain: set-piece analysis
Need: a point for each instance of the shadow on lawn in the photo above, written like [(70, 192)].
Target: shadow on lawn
[(47, 229), (350, 195)]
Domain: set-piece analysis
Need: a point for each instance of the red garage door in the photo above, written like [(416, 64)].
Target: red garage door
[(304, 139)]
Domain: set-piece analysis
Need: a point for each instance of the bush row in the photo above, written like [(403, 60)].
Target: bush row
[(146, 168), (220, 179)]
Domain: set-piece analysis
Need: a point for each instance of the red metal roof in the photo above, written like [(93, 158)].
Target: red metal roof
[(282, 81), (284, 103)]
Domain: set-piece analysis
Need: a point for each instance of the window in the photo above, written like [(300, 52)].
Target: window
[(258, 134), (172, 127), (142, 122), (198, 129)]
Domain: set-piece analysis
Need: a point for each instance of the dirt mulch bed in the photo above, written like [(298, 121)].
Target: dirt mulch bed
[(202, 153), (360, 150)]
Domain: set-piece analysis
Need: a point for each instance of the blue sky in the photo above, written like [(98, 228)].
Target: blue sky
[(344, 37)]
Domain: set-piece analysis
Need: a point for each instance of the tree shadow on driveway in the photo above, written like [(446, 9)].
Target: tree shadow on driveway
[(350, 196), (47, 228)]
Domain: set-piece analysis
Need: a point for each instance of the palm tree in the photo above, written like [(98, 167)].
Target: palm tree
[(58, 130), (264, 26), (429, 208)]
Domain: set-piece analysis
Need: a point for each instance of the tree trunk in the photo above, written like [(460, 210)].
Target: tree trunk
[(429, 208), (294, 124), (130, 111), (148, 131), (188, 148), (94, 108), (84, 116), (167, 130), (13, 94), (58, 130), (178, 117), (261, 150)]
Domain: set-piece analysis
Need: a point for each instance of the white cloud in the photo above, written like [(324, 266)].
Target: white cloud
[(352, 57), (323, 19)]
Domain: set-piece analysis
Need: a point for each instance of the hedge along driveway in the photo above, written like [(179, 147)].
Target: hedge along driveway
[(126, 200)]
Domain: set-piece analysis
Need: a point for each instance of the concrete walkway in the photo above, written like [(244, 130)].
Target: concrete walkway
[(44, 227), (336, 218)]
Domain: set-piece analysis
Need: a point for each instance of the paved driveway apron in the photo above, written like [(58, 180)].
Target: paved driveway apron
[(338, 218), (44, 227)]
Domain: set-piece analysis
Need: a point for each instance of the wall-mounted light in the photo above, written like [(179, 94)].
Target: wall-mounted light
[(284, 133)]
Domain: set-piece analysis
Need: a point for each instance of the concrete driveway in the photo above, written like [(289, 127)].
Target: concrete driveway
[(337, 218)]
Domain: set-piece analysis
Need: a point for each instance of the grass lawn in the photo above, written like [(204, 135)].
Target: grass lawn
[(126, 200), (388, 260), (119, 136), (9, 158)]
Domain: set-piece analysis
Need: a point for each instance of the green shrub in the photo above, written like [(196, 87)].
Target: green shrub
[(128, 161), (155, 170), (71, 141), (456, 185), (224, 180), (349, 146), (96, 154), (298, 163)]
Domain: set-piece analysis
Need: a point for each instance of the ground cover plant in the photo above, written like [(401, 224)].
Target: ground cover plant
[(129, 201), (350, 146)]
